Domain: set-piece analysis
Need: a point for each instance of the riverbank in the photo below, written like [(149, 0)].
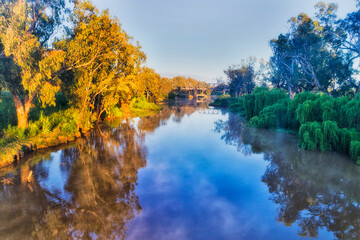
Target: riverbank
[(322, 122), (13, 151)]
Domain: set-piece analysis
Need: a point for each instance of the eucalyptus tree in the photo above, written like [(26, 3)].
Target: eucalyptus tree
[(303, 59), (283, 65), (149, 84), (241, 77), (343, 37), (28, 66), (103, 60)]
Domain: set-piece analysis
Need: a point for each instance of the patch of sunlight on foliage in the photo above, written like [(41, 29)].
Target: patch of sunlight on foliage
[(142, 104), (115, 112), (64, 120)]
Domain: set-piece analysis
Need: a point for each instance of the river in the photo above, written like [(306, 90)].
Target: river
[(185, 173)]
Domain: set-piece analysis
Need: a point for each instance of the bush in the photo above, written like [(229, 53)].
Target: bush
[(44, 124), (236, 105), (13, 133), (33, 129), (142, 104), (115, 112), (222, 101)]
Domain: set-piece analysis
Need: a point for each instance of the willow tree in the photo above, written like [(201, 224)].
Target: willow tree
[(28, 66), (103, 60)]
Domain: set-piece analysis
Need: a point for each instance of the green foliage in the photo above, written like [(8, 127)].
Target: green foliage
[(67, 120), (115, 112), (237, 105), (261, 97), (222, 101), (44, 123), (311, 136), (323, 122), (142, 104), (33, 129), (7, 110), (13, 133), (355, 150), (273, 116), (64, 121)]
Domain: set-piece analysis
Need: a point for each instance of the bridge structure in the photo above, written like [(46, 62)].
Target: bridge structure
[(196, 93)]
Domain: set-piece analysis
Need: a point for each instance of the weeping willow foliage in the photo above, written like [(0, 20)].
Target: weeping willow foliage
[(274, 116), (237, 105), (355, 150), (261, 98), (323, 122)]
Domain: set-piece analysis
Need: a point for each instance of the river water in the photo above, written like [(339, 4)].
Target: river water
[(185, 173)]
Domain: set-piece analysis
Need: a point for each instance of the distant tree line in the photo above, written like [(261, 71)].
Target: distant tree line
[(319, 54)]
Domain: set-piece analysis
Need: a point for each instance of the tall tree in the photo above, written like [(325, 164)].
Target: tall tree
[(27, 63), (342, 37), (149, 84), (241, 77), (283, 65), (103, 60)]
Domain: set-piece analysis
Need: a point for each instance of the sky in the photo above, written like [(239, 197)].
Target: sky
[(201, 38)]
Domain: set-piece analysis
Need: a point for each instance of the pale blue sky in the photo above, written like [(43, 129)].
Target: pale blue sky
[(201, 38)]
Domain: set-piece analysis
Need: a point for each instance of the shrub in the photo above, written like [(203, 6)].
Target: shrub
[(13, 133), (142, 104), (115, 112), (33, 129), (236, 105), (222, 101), (44, 123)]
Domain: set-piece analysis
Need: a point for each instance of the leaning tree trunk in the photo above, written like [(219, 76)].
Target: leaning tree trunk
[(22, 110)]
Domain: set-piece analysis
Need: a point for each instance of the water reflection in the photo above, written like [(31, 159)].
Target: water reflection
[(84, 191), (314, 190)]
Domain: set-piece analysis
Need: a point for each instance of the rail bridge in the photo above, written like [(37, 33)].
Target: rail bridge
[(196, 93)]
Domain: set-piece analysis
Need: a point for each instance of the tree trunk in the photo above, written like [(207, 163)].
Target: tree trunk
[(290, 91), (22, 110)]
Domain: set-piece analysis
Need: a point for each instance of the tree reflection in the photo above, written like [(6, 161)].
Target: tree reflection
[(101, 182), (312, 189), (86, 190)]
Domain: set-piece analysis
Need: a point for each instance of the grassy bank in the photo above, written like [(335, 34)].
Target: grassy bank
[(322, 122), (54, 127)]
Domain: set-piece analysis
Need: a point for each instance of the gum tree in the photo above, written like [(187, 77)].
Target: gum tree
[(27, 63)]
